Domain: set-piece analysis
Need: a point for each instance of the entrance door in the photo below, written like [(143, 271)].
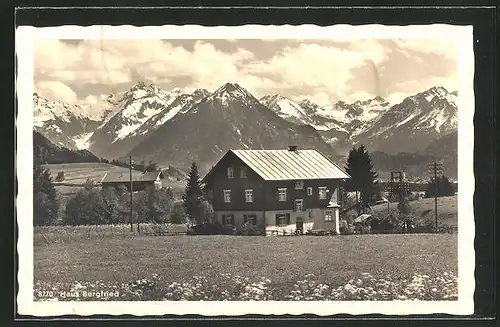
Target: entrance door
[(299, 225)]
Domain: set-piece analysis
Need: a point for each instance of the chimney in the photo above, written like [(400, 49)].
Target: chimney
[(292, 148)]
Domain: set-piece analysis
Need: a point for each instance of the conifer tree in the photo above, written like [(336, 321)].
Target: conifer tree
[(192, 196), (45, 202), (363, 177), (445, 188)]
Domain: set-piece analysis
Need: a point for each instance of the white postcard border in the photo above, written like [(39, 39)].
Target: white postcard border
[(462, 35)]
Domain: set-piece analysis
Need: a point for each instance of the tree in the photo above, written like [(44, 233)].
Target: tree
[(154, 205), (404, 210), (89, 184), (363, 177), (206, 211), (110, 207), (151, 166), (45, 202), (445, 188), (80, 208), (192, 196), (60, 176), (178, 214)]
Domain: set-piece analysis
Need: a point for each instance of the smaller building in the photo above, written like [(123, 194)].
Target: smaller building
[(140, 181)]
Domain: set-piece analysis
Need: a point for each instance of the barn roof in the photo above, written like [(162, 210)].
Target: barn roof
[(290, 165), (119, 177)]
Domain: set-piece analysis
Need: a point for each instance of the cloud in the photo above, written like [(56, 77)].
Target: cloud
[(323, 71), (445, 48), (56, 90), (89, 61)]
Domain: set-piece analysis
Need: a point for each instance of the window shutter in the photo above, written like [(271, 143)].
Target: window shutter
[(277, 220), (254, 220), (223, 219), (245, 219), (277, 195), (288, 219)]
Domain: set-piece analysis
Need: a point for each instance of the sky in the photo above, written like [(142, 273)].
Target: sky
[(323, 70)]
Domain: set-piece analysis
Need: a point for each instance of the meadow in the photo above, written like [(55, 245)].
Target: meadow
[(138, 267), (423, 210)]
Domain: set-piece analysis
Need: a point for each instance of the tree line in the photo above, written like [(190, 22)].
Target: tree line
[(94, 205)]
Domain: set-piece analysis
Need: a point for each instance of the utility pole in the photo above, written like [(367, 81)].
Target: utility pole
[(435, 195), (436, 169), (131, 191)]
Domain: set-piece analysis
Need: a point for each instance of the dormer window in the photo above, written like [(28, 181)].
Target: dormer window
[(230, 172), (243, 172), (299, 185)]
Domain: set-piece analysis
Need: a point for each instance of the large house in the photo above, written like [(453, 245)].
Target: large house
[(276, 190), (140, 181)]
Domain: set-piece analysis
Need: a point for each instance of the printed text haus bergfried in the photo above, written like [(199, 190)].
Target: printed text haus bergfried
[(276, 190)]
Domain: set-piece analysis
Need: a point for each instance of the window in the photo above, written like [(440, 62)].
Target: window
[(299, 185), (322, 192), (230, 172), (282, 194), (249, 195), (228, 219), (243, 172), (309, 191), (251, 219), (282, 219), (227, 196), (299, 205), (328, 215)]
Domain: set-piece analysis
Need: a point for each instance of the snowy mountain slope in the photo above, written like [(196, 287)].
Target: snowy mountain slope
[(230, 118), (134, 108), (181, 105), (412, 124), (355, 115), (63, 124), (303, 113)]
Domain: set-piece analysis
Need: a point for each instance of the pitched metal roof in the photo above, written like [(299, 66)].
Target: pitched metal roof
[(286, 165), (119, 177)]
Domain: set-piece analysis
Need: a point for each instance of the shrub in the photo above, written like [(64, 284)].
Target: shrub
[(249, 230), (345, 228), (379, 225), (211, 229)]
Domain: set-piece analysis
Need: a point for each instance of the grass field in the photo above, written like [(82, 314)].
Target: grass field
[(282, 260), (78, 173), (424, 209)]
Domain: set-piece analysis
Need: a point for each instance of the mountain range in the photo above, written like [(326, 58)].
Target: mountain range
[(179, 127)]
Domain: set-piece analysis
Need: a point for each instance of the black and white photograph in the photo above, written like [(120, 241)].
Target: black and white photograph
[(261, 169)]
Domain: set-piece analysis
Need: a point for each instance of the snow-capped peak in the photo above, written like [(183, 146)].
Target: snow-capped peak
[(232, 89), (437, 91), (283, 106), (45, 109), (361, 111), (200, 93), (231, 92), (306, 103), (136, 106)]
